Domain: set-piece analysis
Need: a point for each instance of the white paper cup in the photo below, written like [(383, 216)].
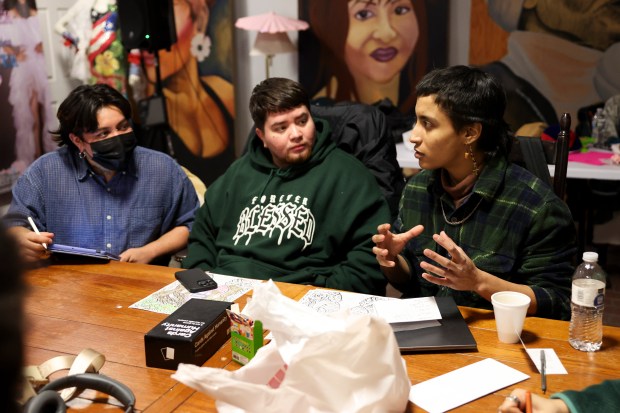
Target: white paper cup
[(510, 308)]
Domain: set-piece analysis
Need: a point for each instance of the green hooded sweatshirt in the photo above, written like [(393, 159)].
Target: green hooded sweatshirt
[(310, 223)]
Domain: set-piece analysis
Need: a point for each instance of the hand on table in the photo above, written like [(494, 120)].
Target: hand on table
[(138, 255), (515, 403)]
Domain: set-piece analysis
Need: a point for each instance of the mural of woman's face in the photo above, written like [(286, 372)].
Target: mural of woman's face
[(382, 36), (174, 60)]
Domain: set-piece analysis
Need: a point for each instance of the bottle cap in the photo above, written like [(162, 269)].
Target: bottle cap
[(590, 256)]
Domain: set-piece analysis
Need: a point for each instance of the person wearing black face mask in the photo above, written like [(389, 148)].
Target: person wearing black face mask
[(100, 190), (108, 153), (114, 153)]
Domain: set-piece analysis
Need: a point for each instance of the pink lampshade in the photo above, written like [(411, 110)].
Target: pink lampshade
[(270, 23), (271, 38), (271, 44)]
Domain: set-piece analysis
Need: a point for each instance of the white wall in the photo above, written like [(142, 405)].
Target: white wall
[(250, 70)]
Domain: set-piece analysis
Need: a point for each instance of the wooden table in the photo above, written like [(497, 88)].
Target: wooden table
[(70, 307)]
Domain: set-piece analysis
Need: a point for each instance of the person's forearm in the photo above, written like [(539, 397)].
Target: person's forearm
[(172, 241), (492, 284)]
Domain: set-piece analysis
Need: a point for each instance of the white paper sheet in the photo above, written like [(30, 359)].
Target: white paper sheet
[(410, 314), (409, 309), (331, 301), (463, 385), (392, 310), (553, 364), (169, 298)]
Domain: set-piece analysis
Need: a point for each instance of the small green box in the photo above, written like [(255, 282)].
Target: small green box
[(246, 337)]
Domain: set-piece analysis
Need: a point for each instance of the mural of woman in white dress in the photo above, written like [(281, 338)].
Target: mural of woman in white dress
[(28, 95)]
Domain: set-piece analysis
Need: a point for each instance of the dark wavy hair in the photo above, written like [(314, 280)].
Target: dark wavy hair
[(276, 95), (468, 95), (9, 4), (77, 114)]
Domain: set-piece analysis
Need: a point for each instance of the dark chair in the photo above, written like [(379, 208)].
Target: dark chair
[(536, 154), (363, 131)]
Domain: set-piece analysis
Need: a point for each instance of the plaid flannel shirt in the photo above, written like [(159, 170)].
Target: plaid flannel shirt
[(519, 230)]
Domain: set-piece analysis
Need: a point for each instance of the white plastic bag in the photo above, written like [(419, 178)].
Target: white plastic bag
[(338, 362)]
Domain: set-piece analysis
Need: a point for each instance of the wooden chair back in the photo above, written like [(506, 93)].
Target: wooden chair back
[(536, 154)]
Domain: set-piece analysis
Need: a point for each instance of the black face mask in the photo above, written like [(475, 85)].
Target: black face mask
[(113, 153)]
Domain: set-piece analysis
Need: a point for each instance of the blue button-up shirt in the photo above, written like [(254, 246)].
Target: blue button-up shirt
[(64, 196)]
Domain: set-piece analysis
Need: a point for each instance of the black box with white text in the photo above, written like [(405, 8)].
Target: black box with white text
[(192, 334)]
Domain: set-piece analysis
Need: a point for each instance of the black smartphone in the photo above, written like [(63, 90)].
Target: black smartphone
[(196, 280)]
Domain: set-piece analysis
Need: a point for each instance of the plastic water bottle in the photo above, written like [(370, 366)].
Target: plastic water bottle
[(598, 128), (587, 304)]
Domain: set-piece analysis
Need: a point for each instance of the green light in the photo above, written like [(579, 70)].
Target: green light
[(148, 36)]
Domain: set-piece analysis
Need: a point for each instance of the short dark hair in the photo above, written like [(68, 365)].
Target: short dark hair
[(468, 95), (77, 114), (276, 95)]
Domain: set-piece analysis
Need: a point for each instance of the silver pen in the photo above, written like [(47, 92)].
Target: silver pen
[(543, 371)]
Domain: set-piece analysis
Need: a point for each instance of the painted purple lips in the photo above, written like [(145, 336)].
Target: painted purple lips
[(384, 54)]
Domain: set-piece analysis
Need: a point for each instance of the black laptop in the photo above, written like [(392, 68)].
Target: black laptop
[(452, 334)]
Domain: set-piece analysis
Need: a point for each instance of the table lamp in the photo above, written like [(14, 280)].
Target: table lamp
[(272, 38)]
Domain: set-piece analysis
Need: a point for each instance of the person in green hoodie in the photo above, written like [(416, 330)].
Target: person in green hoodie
[(294, 208)]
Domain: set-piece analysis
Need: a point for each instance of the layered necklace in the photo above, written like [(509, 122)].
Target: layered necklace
[(455, 223)]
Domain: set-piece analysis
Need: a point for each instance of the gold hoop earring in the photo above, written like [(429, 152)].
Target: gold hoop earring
[(469, 154)]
